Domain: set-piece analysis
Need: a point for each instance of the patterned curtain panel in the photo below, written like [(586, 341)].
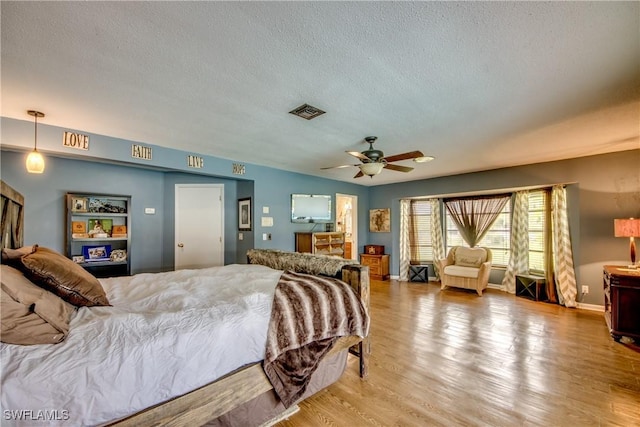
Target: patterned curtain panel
[(436, 234), (405, 254), (519, 252), (550, 282), (562, 254), (474, 216)]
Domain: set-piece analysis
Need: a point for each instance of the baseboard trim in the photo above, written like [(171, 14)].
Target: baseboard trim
[(592, 307), (496, 286)]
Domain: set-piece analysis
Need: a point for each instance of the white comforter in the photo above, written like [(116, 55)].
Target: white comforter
[(166, 334)]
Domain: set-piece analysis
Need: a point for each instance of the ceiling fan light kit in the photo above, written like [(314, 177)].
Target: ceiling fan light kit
[(373, 161)]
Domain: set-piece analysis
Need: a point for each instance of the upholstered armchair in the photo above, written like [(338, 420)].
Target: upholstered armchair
[(466, 268)]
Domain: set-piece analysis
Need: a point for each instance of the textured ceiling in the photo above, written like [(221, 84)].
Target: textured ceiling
[(478, 85)]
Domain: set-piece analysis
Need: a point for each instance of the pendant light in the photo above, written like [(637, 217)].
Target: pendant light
[(35, 161)]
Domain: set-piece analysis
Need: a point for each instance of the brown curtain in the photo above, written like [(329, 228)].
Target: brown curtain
[(474, 216)]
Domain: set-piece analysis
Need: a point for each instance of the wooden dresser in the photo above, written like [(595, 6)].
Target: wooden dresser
[(622, 301), (378, 265)]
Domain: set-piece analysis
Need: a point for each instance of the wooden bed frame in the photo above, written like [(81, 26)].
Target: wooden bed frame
[(219, 397)]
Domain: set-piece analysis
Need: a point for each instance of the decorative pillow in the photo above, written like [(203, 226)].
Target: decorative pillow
[(470, 257), (30, 314), (12, 256), (58, 274)]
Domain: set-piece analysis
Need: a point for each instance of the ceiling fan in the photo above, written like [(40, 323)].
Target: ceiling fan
[(373, 161)]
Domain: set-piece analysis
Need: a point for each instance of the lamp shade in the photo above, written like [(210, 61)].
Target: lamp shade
[(627, 227), (371, 168), (35, 162)]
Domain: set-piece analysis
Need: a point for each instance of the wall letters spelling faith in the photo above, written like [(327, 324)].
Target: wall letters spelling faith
[(195, 162), (140, 152), (75, 140)]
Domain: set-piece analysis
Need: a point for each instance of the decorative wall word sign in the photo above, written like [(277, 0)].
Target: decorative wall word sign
[(238, 169), (140, 152), (75, 140), (195, 162)]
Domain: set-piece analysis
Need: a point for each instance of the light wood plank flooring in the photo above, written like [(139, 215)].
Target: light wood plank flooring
[(452, 358)]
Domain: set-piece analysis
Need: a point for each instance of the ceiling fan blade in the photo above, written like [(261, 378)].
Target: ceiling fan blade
[(398, 168), (404, 156), (359, 174), (358, 155), (338, 167)]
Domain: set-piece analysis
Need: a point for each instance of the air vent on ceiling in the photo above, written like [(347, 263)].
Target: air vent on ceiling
[(307, 111)]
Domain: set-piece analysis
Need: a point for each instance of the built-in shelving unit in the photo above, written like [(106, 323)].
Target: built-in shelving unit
[(324, 243)]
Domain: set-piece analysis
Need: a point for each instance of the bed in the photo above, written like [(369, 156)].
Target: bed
[(197, 382)]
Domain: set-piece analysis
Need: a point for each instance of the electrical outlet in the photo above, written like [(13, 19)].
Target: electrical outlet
[(585, 289)]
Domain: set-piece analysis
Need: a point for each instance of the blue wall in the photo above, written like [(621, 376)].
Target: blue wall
[(601, 188), (151, 184)]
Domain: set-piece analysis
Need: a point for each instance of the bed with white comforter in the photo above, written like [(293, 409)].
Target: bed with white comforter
[(163, 336)]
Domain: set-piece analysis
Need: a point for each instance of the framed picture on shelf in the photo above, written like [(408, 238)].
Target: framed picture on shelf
[(380, 220), (244, 214), (96, 253), (100, 227), (78, 259), (79, 204)]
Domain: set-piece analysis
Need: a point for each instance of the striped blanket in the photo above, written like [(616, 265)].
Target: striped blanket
[(309, 314)]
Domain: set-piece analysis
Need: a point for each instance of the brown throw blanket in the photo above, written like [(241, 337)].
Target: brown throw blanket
[(309, 314)]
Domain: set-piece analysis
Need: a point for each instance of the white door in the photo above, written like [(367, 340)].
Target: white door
[(199, 228), (347, 221)]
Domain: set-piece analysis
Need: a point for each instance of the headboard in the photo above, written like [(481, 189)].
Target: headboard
[(12, 217)]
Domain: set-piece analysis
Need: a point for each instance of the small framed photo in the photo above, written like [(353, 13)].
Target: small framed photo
[(79, 204), (380, 220), (78, 259), (244, 214), (96, 253)]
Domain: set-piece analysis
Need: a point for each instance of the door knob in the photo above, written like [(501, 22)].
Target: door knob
[(180, 245)]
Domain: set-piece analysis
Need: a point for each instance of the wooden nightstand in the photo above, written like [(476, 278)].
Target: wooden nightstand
[(378, 265)]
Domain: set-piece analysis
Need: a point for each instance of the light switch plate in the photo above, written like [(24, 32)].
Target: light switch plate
[(267, 221), (150, 211), (265, 209)]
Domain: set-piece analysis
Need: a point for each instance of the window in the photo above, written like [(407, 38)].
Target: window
[(537, 230), (497, 238), (420, 231)]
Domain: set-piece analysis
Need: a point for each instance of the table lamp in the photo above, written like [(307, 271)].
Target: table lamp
[(628, 228)]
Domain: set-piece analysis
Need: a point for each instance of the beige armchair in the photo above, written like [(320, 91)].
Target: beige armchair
[(466, 268)]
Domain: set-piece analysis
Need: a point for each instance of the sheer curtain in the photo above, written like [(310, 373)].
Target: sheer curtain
[(436, 235), (474, 216), (565, 277), (519, 251), (405, 250)]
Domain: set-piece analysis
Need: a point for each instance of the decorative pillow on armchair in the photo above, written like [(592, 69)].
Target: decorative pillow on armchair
[(470, 257)]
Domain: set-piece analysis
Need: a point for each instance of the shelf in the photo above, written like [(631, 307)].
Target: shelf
[(102, 263), (80, 223), (100, 214), (100, 239)]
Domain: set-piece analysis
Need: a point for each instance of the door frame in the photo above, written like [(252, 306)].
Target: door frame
[(177, 216), (354, 221)]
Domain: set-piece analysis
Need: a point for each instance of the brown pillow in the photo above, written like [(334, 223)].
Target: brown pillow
[(12, 256), (30, 314), (58, 274)]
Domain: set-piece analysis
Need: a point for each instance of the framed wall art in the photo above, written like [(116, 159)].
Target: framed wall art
[(380, 220), (244, 214)]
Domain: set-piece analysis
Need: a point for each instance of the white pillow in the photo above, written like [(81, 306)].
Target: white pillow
[(469, 257)]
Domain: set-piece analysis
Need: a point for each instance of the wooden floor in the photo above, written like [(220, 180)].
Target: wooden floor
[(452, 358)]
